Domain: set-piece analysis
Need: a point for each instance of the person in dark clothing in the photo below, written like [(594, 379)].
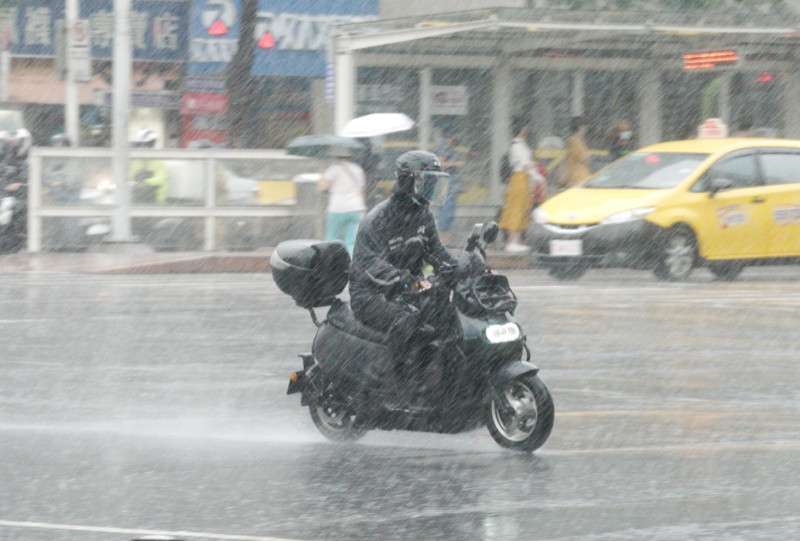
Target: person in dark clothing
[(621, 139), (368, 159), (382, 268)]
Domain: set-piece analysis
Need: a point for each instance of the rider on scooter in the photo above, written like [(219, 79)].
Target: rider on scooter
[(382, 267)]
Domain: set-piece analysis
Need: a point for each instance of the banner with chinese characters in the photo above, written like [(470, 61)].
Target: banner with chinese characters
[(158, 28)]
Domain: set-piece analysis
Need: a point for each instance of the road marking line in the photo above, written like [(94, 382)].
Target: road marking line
[(131, 531), (692, 448)]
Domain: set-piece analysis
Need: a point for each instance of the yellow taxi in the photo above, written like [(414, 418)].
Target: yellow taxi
[(671, 207)]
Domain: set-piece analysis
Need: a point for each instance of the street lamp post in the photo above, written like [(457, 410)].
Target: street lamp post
[(121, 103), (72, 108)]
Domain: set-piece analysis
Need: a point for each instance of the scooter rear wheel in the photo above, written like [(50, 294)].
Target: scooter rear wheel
[(521, 415), (335, 421)]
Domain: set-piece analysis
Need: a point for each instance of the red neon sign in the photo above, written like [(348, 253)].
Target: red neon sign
[(711, 59)]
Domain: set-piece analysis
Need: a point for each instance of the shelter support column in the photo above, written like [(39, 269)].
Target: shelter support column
[(424, 120), (650, 108), (344, 89), (501, 123), (791, 105), (724, 100), (578, 93), (321, 109), (544, 118)]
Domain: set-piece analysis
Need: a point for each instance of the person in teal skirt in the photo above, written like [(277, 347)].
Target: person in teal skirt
[(344, 181)]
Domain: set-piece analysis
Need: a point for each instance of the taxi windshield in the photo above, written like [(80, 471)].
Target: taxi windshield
[(647, 171)]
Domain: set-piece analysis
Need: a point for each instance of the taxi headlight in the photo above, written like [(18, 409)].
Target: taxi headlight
[(507, 332), (628, 215), (539, 216)]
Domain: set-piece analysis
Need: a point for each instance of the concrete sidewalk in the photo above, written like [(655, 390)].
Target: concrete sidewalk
[(176, 262)]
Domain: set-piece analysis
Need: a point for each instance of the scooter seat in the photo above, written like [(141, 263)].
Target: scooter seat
[(341, 317)]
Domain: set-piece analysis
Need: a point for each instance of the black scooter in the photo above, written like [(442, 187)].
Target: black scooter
[(479, 373)]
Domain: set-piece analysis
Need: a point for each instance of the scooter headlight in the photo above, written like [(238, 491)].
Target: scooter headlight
[(507, 332)]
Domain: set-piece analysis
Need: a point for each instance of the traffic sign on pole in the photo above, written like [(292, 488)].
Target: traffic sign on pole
[(712, 128), (79, 51)]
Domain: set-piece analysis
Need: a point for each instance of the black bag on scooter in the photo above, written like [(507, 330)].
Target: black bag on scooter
[(485, 292)]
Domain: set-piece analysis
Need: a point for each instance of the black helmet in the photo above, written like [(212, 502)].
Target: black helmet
[(419, 174)]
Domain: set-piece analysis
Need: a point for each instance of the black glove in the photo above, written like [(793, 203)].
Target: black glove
[(448, 272)]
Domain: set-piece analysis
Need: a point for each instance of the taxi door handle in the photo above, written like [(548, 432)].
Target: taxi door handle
[(758, 200)]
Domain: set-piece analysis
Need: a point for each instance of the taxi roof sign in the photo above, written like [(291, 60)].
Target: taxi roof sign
[(712, 128)]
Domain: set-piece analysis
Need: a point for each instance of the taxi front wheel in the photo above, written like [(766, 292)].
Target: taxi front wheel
[(677, 255)]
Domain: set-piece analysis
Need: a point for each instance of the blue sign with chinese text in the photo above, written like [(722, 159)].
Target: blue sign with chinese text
[(293, 36), (158, 28), (214, 35)]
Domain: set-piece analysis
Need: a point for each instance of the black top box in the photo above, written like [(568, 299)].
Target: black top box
[(312, 272)]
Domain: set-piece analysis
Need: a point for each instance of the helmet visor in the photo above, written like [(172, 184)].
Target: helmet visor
[(431, 186)]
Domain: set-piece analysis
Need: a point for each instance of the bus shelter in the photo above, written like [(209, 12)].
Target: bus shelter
[(663, 71)]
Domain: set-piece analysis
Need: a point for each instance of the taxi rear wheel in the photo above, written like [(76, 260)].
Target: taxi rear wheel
[(677, 256), (726, 270)]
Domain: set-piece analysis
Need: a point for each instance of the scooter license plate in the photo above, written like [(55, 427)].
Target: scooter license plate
[(566, 248)]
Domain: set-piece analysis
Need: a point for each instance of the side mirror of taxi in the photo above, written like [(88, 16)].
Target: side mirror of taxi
[(719, 184)]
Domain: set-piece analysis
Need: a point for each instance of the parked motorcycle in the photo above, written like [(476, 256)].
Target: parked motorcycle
[(13, 189), (75, 234), (13, 217), (479, 372)]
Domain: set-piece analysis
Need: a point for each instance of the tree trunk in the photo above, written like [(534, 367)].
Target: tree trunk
[(243, 105)]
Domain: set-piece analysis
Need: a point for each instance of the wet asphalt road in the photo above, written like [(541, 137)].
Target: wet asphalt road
[(135, 405)]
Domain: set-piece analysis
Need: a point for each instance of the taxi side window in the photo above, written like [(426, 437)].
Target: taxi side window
[(781, 167), (741, 171)]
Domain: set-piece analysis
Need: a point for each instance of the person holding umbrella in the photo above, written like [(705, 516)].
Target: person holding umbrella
[(344, 181)]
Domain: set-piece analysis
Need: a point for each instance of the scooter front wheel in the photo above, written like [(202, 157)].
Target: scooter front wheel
[(335, 421), (520, 416)]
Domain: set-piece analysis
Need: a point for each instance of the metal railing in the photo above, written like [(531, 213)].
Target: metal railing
[(210, 196)]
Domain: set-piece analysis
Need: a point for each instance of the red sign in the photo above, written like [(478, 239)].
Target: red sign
[(712, 128), (204, 104), (210, 130)]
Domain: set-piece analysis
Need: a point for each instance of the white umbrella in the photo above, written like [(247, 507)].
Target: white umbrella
[(377, 124)]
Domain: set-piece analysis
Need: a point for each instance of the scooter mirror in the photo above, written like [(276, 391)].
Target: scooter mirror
[(476, 232), (490, 232)]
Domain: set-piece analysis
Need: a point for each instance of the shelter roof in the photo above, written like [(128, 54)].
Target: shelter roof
[(579, 33)]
